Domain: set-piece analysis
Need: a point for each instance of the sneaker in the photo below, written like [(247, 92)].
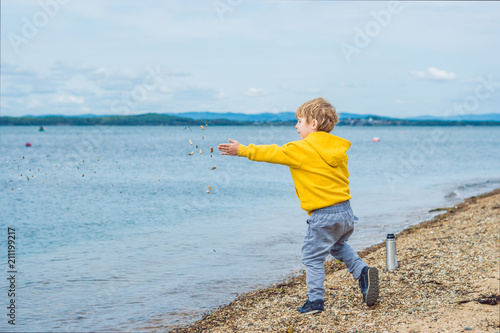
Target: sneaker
[(312, 307), (368, 283)]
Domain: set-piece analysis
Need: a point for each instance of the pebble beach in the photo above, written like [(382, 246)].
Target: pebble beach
[(448, 281)]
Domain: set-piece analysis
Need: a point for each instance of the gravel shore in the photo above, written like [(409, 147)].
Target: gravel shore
[(448, 281)]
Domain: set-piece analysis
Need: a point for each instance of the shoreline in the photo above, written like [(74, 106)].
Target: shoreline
[(428, 295)]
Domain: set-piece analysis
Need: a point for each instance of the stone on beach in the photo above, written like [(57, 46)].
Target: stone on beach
[(448, 265)]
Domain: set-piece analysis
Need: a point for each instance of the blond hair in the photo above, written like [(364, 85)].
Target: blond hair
[(321, 110)]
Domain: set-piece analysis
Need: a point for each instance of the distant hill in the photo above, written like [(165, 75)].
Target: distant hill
[(86, 115), (465, 117), (281, 116), (213, 118), (149, 119), (289, 116), (206, 115)]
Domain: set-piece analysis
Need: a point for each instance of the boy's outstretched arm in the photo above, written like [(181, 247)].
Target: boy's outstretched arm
[(229, 148), (287, 154)]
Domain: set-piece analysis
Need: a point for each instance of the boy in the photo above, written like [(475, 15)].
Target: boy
[(318, 164)]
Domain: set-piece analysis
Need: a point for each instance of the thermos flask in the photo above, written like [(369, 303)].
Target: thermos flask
[(390, 253)]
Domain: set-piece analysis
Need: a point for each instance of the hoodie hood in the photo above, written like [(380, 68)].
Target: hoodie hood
[(331, 148)]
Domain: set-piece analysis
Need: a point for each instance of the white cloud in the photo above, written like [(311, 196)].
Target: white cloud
[(69, 99), (432, 73), (33, 104), (194, 93), (3, 104), (280, 43), (399, 101), (255, 92)]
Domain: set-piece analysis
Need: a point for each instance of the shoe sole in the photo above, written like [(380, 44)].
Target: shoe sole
[(311, 312), (372, 290)]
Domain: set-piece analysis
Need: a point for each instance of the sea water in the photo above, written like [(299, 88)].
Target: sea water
[(115, 229)]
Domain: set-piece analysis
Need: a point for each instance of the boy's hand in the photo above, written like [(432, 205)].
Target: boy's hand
[(229, 148)]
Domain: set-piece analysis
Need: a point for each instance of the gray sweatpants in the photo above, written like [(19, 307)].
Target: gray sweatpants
[(328, 231)]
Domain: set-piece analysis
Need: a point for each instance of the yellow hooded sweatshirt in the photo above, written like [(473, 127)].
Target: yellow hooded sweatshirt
[(318, 165)]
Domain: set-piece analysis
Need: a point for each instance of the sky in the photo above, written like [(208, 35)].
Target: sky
[(397, 59)]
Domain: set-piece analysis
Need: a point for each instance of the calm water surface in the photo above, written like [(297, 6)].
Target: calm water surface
[(115, 230)]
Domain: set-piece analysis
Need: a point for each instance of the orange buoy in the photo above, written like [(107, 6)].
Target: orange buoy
[(375, 139), (28, 144)]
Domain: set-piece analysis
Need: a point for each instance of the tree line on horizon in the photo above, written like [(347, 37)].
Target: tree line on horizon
[(154, 119)]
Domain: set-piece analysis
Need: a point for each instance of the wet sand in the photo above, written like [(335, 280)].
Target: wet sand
[(448, 281)]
